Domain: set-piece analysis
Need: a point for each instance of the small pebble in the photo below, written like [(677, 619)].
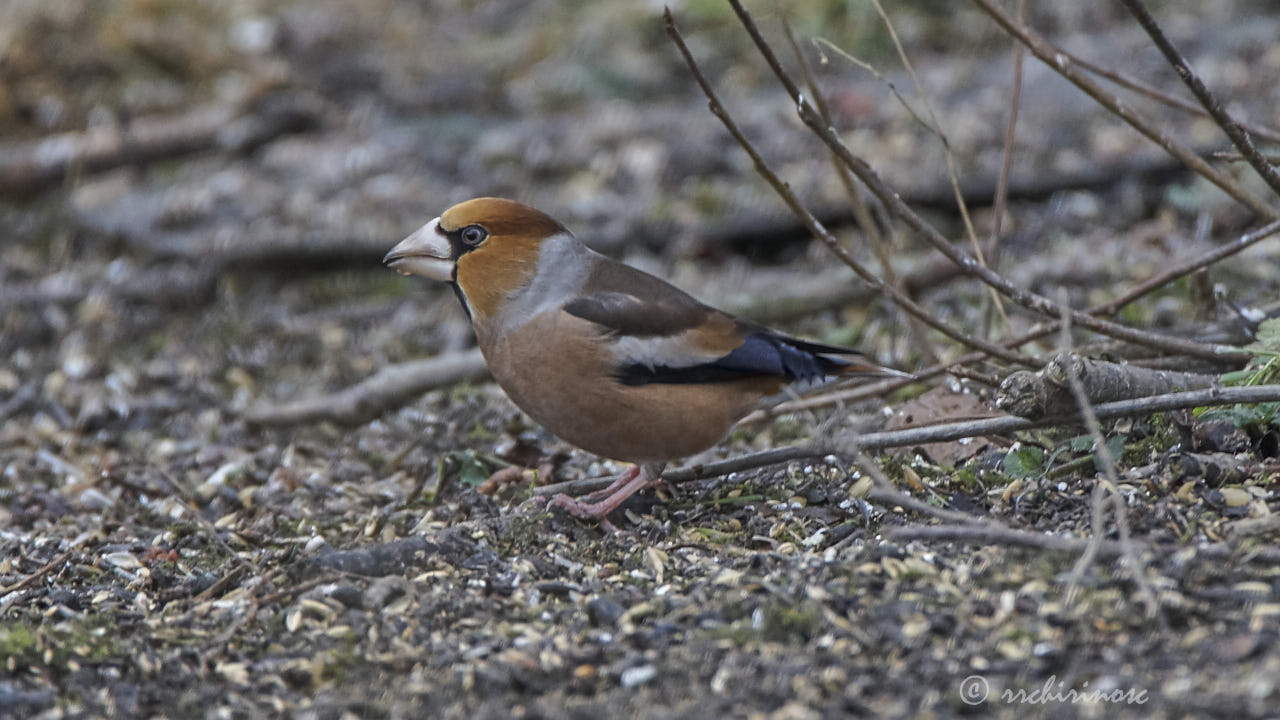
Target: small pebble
[(636, 676), (604, 611)]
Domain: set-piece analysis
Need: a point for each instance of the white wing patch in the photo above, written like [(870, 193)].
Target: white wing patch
[(652, 352)]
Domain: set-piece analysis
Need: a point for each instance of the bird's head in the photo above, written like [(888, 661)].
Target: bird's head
[(487, 247)]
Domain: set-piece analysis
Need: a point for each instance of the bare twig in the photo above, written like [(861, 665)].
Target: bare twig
[(861, 213), (1156, 93), (883, 491), (1238, 136), (1186, 268), (1272, 158), (38, 574), (891, 199), (1112, 481), (816, 227), (1059, 62), (935, 126), (231, 576), (1030, 300), (1000, 202), (293, 591), (1097, 527)]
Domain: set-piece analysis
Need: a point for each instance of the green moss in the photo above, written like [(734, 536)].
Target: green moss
[(790, 623), (966, 479), (17, 641), (339, 660), (56, 645)]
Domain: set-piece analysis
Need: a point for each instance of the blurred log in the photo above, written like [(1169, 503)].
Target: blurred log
[(29, 166), (1047, 392), (388, 388)]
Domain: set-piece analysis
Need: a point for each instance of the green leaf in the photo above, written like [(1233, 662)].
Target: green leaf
[(1115, 446), (472, 469), (1024, 462), (1251, 417), (1268, 336)]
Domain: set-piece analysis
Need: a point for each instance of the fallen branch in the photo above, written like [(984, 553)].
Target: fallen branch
[(173, 285), (388, 388), (1107, 549), (942, 432), (1048, 390), (31, 165)]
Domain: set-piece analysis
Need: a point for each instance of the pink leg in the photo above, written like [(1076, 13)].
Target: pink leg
[(627, 484), (623, 478)]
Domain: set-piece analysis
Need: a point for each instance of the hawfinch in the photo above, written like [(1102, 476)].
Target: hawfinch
[(608, 358)]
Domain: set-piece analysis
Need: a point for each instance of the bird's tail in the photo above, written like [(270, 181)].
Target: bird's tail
[(859, 366), (842, 361)]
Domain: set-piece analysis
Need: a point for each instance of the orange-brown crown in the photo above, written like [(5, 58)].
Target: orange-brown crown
[(500, 217), (508, 256)]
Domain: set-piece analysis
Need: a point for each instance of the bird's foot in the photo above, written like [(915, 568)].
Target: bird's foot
[(618, 483), (597, 505)]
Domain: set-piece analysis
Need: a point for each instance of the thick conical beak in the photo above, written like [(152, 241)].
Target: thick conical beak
[(426, 252)]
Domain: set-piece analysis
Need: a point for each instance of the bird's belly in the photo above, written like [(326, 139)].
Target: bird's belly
[(652, 423), (636, 424), (567, 387)]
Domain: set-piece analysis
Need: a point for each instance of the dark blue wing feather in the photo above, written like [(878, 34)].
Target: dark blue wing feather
[(761, 355)]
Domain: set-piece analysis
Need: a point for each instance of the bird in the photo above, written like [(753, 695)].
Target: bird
[(609, 358)]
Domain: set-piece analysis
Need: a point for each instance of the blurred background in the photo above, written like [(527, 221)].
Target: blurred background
[(195, 196)]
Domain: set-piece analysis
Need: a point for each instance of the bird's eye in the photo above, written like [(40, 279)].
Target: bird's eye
[(473, 234)]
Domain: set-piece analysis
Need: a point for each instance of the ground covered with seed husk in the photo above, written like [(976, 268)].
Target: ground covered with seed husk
[(162, 557)]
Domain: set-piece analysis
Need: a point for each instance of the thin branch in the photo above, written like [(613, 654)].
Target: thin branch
[(1237, 134), (1001, 200), (1059, 61), (28, 166), (883, 491), (1026, 298), (861, 213), (1112, 479), (936, 125), (933, 126), (1097, 520), (36, 576), (816, 227), (1186, 268), (1272, 158), (893, 201), (1157, 94)]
